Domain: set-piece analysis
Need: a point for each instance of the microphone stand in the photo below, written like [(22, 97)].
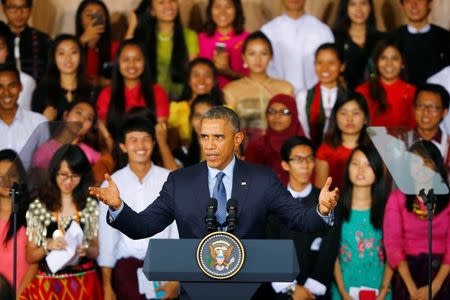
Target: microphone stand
[(430, 202), (15, 193)]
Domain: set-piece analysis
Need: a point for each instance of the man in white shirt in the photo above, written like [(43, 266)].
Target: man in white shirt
[(139, 183), (295, 37), (19, 128)]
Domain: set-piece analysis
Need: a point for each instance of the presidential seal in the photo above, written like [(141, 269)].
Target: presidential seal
[(220, 255)]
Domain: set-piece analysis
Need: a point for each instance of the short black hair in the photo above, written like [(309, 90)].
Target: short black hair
[(435, 89), (10, 68), (136, 123), (29, 3), (295, 141), (224, 113)]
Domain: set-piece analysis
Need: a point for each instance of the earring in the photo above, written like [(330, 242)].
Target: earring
[(245, 66)]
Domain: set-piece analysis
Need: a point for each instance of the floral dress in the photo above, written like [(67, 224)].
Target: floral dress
[(361, 254)]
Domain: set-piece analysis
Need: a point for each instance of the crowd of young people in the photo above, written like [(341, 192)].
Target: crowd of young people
[(75, 107)]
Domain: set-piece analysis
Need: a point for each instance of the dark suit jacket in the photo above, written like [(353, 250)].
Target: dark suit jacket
[(185, 195)]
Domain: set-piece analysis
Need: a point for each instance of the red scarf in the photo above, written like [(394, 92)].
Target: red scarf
[(315, 112)]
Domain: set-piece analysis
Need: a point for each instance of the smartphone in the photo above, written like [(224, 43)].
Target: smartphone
[(221, 47), (98, 19)]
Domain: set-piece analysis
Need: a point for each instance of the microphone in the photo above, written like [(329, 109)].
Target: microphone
[(231, 221), (210, 219)]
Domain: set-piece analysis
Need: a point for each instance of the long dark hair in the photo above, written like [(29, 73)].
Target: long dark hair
[(51, 79), (379, 191), (238, 22), (376, 90), (17, 166), (333, 136), (104, 43), (147, 32), (216, 92), (116, 107), (427, 150), (343, 23), (79, 164)]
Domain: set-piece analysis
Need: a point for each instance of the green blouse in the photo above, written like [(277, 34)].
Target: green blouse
[(164, 54)]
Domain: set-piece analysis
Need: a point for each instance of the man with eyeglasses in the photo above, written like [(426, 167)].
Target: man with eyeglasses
[(314, 248), (431, 104), (27, 45)]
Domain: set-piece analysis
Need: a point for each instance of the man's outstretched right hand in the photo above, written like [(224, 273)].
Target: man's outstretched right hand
[(109, 195)]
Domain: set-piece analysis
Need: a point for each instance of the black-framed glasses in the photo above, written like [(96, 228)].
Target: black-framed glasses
[(430, 107), (16, 8), (65, 176), (298, 159)]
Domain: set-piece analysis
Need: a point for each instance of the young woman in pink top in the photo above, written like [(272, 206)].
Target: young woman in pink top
[(12, 170), (223, 38), (406, 229)]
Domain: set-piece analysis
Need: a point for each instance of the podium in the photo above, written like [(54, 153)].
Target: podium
[(175, 260)]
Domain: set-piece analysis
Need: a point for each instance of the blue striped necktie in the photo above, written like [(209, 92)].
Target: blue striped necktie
[(220, 195)]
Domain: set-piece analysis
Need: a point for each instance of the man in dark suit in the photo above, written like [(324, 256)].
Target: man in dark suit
[(314, 249), (186, 193)]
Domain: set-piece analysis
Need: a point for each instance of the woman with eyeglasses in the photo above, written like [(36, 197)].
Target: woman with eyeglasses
[(64, 210), (282, 123)]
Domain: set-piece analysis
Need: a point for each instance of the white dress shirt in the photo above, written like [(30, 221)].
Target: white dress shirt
[(329, 97), (414, 30), (443, 78), (294, 43), (24, 135), (114, 245), (28, 86)]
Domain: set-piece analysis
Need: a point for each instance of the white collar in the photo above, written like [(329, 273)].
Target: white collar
[(327, 90), (228, 170), (302, 194), (413, 30), (17, 117), (136, 178), (294, 21)]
